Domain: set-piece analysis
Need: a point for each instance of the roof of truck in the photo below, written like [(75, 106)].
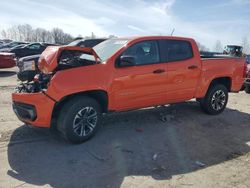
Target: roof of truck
[(154, 37)]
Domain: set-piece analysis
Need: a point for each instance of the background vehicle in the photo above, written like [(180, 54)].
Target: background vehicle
[(19, 51), (10, 45), (206, 54), (13, 48), (248, 59), (28, 66), (233, 50), (30, 49), (76, 85), (4, 41), (86, 42), (7, 60), (229, 50), (247, 82)]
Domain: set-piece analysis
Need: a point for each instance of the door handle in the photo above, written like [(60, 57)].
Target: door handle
[(159, 71), (193, 67)]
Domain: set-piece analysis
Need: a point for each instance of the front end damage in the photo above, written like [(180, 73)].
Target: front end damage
[(31, 102), (38, 84)]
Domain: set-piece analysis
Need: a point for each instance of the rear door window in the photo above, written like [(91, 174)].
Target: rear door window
[(176, 50), (34, 47)]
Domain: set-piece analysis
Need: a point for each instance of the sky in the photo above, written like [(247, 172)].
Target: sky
[(205, 21)]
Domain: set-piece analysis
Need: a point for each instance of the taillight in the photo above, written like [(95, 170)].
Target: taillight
[(248, 71), (245, 70)]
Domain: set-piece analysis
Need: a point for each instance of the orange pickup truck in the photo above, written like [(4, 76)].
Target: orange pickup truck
[(77, 85)]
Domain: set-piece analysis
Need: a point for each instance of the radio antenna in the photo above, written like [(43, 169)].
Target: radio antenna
[(172, 32)]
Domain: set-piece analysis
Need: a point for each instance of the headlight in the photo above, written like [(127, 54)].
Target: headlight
[(29, 65)]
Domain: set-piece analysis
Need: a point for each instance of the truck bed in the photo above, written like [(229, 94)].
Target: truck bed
[(209, 55), (217, 56), (232, 67)]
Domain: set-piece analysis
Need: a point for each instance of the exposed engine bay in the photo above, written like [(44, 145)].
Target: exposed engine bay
[(40, 83), (72, 58), (33, 80)]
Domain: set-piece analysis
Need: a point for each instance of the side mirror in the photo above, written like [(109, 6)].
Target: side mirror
[(126, 61)]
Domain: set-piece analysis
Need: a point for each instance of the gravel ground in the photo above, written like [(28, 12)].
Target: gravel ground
[(132, 149)]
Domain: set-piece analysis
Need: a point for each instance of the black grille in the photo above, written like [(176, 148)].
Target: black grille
[(25, 111)]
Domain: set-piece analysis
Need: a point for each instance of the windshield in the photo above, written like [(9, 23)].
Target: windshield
[(107, 48), (17, 47), (13, 44)]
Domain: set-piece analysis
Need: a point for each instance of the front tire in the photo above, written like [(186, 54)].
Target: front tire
[(79, 119), (215, 100)]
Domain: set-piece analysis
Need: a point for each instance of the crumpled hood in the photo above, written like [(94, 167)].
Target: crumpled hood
[(48, 61)]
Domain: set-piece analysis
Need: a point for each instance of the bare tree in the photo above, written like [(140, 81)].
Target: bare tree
[(4, 34), (57, 35), (11, 33), (60, 37), (218, 47), (67, 39), (245, 45), (112, 36), (27, 33), (42, 35), (202, 47), (92, 36), (46, 36)]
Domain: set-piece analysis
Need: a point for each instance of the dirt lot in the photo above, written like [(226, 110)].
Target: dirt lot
[(132, 149)]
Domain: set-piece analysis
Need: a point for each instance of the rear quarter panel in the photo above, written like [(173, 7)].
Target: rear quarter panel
[(232, 68)]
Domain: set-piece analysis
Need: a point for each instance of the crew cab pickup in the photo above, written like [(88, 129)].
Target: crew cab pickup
[(76, 85)]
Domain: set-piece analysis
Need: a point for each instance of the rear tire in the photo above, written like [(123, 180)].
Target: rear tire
[(215, 100), (79, 119), (247, 89)]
